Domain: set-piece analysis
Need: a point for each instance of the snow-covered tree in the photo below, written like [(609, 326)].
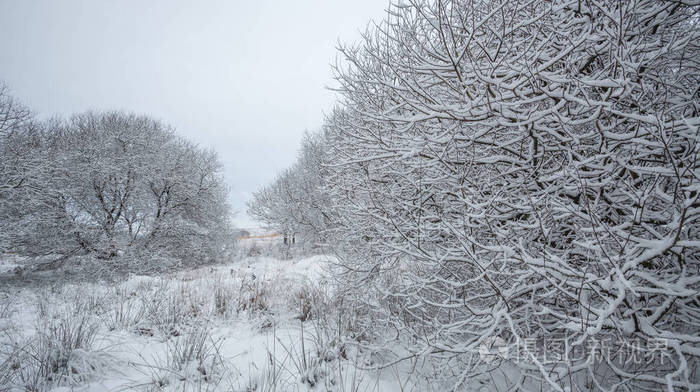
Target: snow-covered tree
[(526, 171), (21, 161), (295, 203), (15, 120), (116, 182)]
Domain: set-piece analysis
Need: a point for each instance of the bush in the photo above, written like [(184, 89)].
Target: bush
[(61, 353)]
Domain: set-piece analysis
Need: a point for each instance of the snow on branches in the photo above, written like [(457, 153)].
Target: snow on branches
[(110, 183), (526, 170)]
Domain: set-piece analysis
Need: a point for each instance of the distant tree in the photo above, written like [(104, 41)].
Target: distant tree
[(117, 183), (188, 203), (15, 119), (13, 115), (294, 203), (22, 163)]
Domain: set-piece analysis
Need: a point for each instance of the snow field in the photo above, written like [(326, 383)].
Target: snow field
[(260, 324)]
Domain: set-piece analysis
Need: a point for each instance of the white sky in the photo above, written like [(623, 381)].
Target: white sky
[(244, 77)]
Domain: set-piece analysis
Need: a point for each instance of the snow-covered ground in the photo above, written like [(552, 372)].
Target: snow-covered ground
[(257, 324)]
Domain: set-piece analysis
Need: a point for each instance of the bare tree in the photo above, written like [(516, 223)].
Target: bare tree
[(525, 171), (21, 162), (295, 203), (115, 183), (15, 118)]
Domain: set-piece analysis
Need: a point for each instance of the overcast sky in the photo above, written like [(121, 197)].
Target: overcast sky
[(244, 77)]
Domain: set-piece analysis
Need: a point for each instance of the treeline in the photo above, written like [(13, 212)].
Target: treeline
[(518, 172), (107, 184), (294, 203)]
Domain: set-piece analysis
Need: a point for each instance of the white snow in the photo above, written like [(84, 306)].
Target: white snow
[(253, 342)]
